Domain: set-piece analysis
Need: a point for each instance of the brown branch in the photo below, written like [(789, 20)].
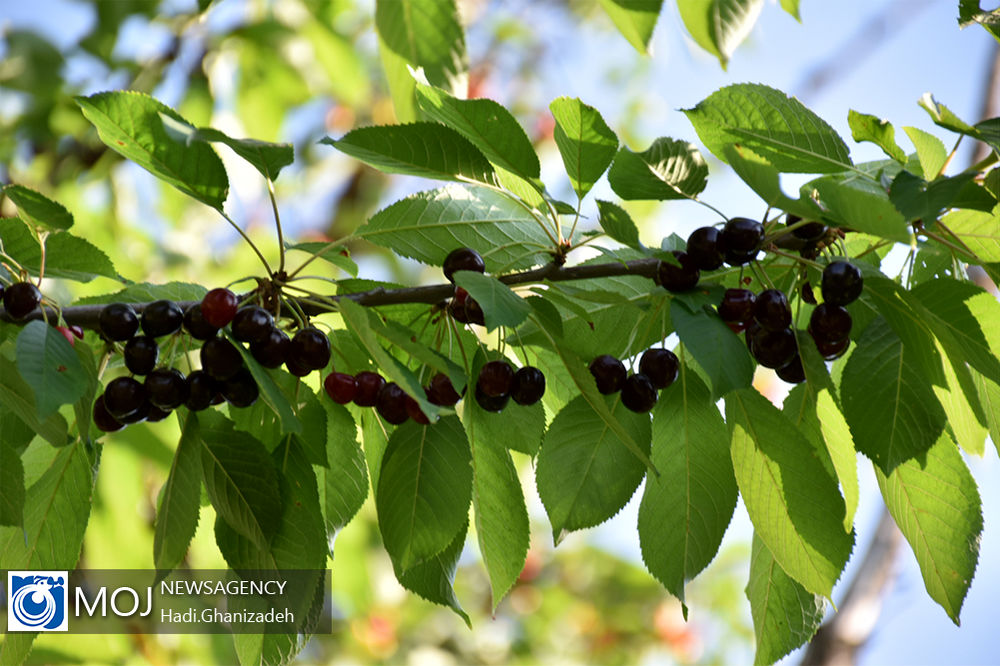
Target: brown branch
[(87, 316)]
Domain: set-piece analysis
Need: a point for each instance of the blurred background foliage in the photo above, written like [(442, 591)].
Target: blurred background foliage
[(295, 71)]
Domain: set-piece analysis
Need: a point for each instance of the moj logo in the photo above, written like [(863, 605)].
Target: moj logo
[(36, 600)]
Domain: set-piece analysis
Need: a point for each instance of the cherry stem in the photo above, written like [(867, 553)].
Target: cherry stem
[(277, 224)]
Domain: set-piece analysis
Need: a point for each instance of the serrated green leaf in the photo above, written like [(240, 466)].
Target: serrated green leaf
[(11, 484), (989, 398), (268, 158), (777, 127), (792, 7), (501, 306), (668, 169), (330, 255), (685, 512), (930, 151), (866, 127), (407, 340), (971, 11), (966, 425), (131, 123), (979, 231), (720, 353), (785, 614), (618, 224), (426, 150), (943, 116), (423, 35), (893, 414), (500, 512), (345, 481), (37, 209), (635, 20), (936, 505), (859, 203), (18, 397), (424, 490), (585, 141), (585, 474), (66, 256), (269, 391), (427, 226), (792, 500), (180, 501), (143, 292), (904, 315), (432, 580), (719, 26), (51, 368), (241, 479), (488, 125)]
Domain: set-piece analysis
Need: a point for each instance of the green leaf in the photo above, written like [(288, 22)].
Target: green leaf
[(338, 256), (345, 481), (501, 306), (668, 169), (971, 11), (858, 202), (585, 141), (904, 315), (425, 35), (500, 512), (792, 500), (423, 490), (930, 151), (240, 478), (785, 614), (618, 224), (426, 150), (635, 20), (720, 353), (944, 117), (37, 209), (685, 511), (719, 26), (936, 505), (51, 368), (765, 180), (488, 125), (131, 123), (792, 7), (11, 485), (989, 397), (18, 397), (892, 411), (180, 501), (963, 417), (978, 230), (268, 158), (866, 127), (269, 391), (144, 291), (428, 225), (432, 580), (585, 474), (66, 256), (777, 127)]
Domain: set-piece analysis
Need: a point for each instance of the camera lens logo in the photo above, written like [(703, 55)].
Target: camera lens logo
[(36, 600)]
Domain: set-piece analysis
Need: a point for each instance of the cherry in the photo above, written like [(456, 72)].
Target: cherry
[(704, 248), (771, 310), (830, 323), (20, 299), (441, 392), (203, 390), (241, 389), (678, 278), (156, 414), (141, 354), (161, 318), (465, 309), (609, 373), (390, 403), (528, 386), (496, 379), (638, 393), (491, 403), (660, 366), (369, 385), (462, 259), (792, 373), (810, 232), (752, 329), (68, 334), (807, 293), (341, 387), (252, 324), (124, 397), (842, 283), (139, 415), (414, 412), (219, 307), (310, 348), (832, 350), (118, 322), (196, 324), (103, 419), (737, 307), (774, 349), (296, 368), (273, 351), (220, 358), (741, 239), (167, 388)]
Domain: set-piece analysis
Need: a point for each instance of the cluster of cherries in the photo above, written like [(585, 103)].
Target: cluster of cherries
[(657, 370), (766, 320), (737, 243), (462, 307), (223, 375)]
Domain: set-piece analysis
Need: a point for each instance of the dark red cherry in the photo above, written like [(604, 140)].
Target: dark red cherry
[(241, 389), (638, 393), (219, 307), (310, 348), (462, 259), (792, 373), (252, 324), (496, 378), (123, 397), (491, 403), (842, 283), (161, 318), (118, 322), (773, 349), (528, 386), (830, 323), (167, 388), (741, 239), (415, 413), (156, 414), (441, 392), (660, 366), (203, 391), (196, 325), (103, 419), (390, 403), (139, 415), (737, 307), (807, 293), (273, 351), (704, 248), (609, 373), (678, 278), (369, 385), (20, 299), (771, 310), (832, 350), (141, 354), (220, 358), (341, 387), (296, 368)]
